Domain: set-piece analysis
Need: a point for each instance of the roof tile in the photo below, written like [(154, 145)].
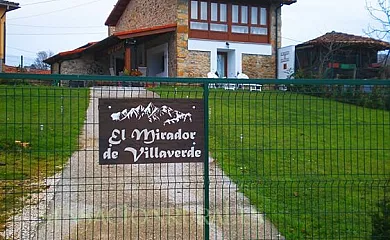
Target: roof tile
[(348, 39)]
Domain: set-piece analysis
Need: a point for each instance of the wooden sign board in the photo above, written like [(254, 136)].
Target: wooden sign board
[(139, 131)]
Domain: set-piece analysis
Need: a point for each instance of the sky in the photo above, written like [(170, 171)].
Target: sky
[(61, 25)]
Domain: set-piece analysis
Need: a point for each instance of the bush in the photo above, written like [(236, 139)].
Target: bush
[(381, 220)]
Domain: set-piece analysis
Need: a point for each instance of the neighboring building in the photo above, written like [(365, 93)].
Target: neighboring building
[(12, 69), (183, 38), (340, 55), (5, 7)]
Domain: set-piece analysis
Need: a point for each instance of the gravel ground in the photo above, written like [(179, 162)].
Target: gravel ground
[(154, 201)]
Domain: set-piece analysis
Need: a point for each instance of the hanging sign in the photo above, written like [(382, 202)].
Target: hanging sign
[(138, 131)]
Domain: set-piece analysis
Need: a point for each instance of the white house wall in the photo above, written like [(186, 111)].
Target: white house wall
[(234, 50)]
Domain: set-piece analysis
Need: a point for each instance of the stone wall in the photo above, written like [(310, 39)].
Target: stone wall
[(55, 68), (85, 65), (144, 14), (111, 30), (197, 65), (182, 39), (258, 66)]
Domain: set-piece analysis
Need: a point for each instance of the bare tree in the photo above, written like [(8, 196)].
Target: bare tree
[(380, 12), (41, 56), (327, 54)]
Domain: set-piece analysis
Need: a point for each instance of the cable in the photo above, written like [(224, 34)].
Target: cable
[(21, 49), (36, 26), (35, 3), (59, 10), (52, 34), (291, 39)]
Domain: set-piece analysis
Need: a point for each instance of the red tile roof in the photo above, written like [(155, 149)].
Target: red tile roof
[(117, 12), (347, 39), (70, 53), (146, 31), (77, 50), (12, 69), (114, 39)]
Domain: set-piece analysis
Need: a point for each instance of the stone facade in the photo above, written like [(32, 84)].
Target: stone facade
[(258, 66), (144, 14), (111, 30), (182, 40), (197, 65), (85, 65)]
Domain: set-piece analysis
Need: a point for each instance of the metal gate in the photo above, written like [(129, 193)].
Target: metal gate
[(282, 159)]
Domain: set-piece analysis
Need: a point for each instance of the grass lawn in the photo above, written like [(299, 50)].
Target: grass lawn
[(315, 166), (39, 129)]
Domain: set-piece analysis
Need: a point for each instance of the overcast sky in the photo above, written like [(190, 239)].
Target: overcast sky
[(61, 25)]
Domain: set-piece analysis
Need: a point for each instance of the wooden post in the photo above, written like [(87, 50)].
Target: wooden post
[(128, 58)]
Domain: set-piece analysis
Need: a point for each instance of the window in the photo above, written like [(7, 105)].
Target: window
[(214, 11), (222, 12), (203, 10), (244, 14), (263, 16), (235, 14), (194, 9), (199, 15), (209, 19), (259, 21), (254, 15)]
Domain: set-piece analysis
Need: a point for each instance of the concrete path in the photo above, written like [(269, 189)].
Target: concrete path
[(154, 201)]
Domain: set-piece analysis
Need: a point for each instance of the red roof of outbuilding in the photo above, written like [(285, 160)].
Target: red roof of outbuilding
[(12, 69), (347, 39), (77, 50), (114, 39)]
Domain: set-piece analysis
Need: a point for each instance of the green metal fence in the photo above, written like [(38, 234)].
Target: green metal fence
[(284, 159)]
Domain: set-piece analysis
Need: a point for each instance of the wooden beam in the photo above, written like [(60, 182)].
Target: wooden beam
[(128, 58)]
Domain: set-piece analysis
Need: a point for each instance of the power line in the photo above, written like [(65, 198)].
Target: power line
[(59, 10), (37, 26), (52, 34), (18, 57), (291, 39), (35, 3)]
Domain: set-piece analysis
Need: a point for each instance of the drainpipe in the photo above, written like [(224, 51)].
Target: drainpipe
[(4, 42), (276, 39)]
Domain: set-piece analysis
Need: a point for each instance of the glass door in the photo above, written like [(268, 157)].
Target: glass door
[(222, 64)]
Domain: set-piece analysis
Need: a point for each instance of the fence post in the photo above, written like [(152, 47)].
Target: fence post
[(206, 162)]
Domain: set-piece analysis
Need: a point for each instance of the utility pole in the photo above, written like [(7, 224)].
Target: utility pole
[(21, 63)]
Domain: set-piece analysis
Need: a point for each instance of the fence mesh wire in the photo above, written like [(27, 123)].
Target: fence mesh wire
[(302, 161)]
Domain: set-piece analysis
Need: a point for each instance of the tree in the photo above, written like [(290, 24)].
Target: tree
[(41, 56), (380, 12)]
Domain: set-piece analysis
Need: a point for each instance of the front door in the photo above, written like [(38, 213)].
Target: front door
[(222, 64)]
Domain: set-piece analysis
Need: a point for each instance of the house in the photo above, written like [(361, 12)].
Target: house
[(12, 69), (340, 55), (183, 38), (5, 6)]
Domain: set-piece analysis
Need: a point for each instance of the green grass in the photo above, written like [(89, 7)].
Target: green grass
[(315, 166), (50, 120)]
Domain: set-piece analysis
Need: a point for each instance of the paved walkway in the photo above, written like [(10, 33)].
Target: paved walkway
[(154, 201)]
